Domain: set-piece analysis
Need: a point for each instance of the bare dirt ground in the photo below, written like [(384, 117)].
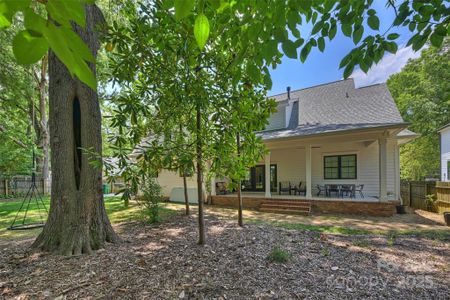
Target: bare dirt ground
[(164, 262)]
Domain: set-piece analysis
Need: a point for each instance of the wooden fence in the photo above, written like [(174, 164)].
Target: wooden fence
[(414, 194), (19, 186), (443, 197)]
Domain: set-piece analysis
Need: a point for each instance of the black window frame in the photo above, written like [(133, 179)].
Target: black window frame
[(339, 167)]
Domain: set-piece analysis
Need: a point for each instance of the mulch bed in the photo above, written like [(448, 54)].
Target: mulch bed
[(164, 262)]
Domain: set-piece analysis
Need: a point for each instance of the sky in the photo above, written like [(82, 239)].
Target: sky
[(324, 67)]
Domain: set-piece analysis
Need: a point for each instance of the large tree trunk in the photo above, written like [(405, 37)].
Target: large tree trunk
[(77, 221), (201, 219)]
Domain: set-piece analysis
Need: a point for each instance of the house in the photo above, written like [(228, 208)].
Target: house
[(445, 152), (332, 134)]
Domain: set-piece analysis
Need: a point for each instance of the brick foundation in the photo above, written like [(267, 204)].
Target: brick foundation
[(379, 209)]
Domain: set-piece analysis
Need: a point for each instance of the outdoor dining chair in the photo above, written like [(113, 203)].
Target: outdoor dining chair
[(284, 186), (320, 189), (301, 190), (359, 189), (332, 188), (348, 190)]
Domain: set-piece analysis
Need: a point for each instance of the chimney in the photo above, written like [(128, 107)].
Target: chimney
[(288, 89)]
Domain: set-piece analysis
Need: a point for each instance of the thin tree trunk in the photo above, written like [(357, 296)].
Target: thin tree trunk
[(238, 145), (186, 197), (201, 219), (44, 142), (77, 221)]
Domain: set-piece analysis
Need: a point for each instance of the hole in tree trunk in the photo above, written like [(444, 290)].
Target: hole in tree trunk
[(76, 111)]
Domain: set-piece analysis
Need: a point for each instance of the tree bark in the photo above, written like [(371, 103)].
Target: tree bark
[(239, 196), (77, 221), (201, 219), (44, 139), (186, 197)]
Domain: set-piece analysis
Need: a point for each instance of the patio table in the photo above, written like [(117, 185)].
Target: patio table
[(340, 189)]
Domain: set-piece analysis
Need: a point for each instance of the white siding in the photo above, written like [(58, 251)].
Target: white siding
[(291, 165), (445, 153), (169, 180)]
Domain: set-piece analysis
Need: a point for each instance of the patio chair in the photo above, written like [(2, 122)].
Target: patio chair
[(348, 190), (359, 189), (320, 189), (301, 190), (284, 186), (333, 188)]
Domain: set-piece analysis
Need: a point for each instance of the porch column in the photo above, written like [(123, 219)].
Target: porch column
[(267, 175), (397, 173), (382, 165), (308, 171), (213, 186)]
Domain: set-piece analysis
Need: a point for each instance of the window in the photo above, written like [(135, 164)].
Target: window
[(339, 167)]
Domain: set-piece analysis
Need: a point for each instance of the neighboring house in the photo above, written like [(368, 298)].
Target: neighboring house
[(445, 152), (332, 133)]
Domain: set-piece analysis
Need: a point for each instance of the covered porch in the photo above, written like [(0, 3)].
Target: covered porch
[(351, 166)]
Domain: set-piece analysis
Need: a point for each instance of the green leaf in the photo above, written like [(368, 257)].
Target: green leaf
[(332, 32), (4, 22), (77, 45), (436, 40), (289, 49), (346, 60), (34, 22), (348, 70), (305, 52), (59, 42), (357, 34), (393, 36), (347, 29), (64, 11), (390, 47), (317, 28), (321, 44), (183, 8), (253, 72), (28, 49), (374, 22), (201, 30)]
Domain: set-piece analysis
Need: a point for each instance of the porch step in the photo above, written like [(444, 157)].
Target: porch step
[(299, 207)]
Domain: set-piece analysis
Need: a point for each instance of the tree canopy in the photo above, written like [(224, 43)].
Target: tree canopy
[(422, 93)]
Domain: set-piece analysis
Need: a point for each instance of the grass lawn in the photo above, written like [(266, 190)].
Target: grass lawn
[(115, 208)]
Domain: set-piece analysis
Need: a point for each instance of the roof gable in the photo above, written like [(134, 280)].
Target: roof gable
[(341, 103)]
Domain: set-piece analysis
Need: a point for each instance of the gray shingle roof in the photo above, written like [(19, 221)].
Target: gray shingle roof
[(337, 106)]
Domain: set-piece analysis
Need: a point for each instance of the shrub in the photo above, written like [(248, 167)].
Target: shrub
[(278, 255), (150, 200)]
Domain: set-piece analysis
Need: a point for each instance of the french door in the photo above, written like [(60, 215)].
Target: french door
[(255, 181)]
